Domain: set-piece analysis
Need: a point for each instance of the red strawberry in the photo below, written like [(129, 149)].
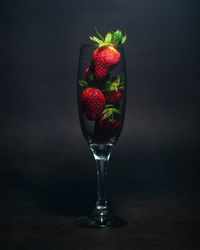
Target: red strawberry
[(106, 57), (92, 102), (114, 90), (107, 126), (91, 80), (114, 97)]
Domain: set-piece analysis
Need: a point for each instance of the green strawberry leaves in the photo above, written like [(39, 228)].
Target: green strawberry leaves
[(117, 37), (111, 113), (114, 39), (109, 106), (98, 34), (121, 80), (95, 39), (83, 84), (91, 78), (106, 86), (106, 114), (108, 37), (124, 37), (114, 84)]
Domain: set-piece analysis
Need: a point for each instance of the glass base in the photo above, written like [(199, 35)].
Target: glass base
[(92, 221)]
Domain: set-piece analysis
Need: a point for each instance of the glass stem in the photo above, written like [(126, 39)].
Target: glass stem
[(101, 156), (102, 204)]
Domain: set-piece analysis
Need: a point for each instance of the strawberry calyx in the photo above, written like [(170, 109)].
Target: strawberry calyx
[(85, 84), (114, 84), (110, 113), (114, 39), (108, 124), (91, 77)]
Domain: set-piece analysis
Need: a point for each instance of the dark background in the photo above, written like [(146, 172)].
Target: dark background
[(47, 173)]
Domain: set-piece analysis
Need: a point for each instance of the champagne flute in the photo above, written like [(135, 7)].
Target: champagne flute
[(101, 104)]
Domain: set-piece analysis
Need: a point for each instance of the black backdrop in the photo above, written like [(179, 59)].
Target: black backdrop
[(44, 157)]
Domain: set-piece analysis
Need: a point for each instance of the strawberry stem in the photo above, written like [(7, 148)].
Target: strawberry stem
[(98, 34)]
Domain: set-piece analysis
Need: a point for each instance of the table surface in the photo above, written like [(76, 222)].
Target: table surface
[(41, 216)]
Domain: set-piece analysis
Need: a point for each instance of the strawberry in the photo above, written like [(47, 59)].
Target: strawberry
[(114, 90), (90, 80), (114, 96), (108, 125), (106, 57), (92, 102)]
